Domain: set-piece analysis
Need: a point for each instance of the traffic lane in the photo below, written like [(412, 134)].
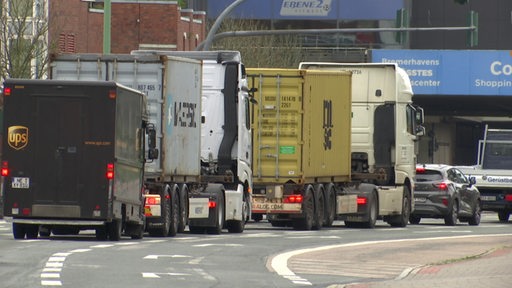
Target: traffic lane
[(384, 260)]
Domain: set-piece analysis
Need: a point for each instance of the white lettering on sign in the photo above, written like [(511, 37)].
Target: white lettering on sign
[(305, 7), (498, 68)]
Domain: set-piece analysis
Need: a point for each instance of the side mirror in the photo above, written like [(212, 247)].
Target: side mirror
[(420, 131), (152, 150)]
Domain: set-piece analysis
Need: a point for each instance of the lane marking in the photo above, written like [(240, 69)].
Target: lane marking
[(279, 263)]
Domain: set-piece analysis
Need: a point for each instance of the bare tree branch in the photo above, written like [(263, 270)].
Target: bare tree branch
[(23, 38), (261, 51)]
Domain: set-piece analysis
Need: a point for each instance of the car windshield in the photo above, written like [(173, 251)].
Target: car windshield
[(429, 175)]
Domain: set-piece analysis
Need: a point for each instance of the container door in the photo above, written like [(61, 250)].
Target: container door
[(58, 147)]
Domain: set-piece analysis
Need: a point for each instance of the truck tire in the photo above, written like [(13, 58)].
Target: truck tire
[(183, 208), (32, 231), (18, 231), (402, 219), (163, 231), (319, 207), (330, 205), (451, 218), (503, 216), (219, 215), (135, 231), (175, 212), (373, 210), (101, 233), (114, 230), (308, 214)]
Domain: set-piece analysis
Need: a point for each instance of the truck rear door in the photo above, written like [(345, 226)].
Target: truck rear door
[(58, 139)]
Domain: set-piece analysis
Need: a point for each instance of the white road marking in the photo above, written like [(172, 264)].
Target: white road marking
[(103, 246), (51, 283), (154, 257), (157, 275), (211, 244), (80, 250), (56, 259), (50, 275), (279, 263)]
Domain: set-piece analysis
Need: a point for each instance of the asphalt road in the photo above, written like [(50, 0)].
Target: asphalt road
[(262, 256)]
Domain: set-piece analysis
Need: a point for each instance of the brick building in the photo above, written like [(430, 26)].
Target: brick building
[(76, 26)]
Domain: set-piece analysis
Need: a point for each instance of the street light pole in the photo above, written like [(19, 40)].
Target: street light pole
[(107, 8), (206, 44)]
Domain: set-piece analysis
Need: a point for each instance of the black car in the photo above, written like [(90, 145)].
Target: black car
[(443, 191)]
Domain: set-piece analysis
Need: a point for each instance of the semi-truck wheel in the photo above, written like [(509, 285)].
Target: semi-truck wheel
[(175, 213), (319, 207), (114, 230), (308, 214), (403, 219), (101, 233), (183, 208), (163, 230), (330, 205), (372, 211), (32, 231), (219, 215), (18, 231)]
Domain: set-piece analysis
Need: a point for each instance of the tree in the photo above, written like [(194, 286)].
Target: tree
[(261, 51), (23, 39)]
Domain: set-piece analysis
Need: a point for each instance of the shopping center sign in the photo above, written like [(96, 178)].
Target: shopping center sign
[(454, 72)]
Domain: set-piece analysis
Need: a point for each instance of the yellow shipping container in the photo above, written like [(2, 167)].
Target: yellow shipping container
[(301, 125)]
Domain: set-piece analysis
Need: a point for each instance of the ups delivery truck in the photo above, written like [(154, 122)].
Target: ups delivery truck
[(73, 158)]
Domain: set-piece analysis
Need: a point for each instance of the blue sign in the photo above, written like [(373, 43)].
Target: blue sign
[(453, 72), (309, 9)]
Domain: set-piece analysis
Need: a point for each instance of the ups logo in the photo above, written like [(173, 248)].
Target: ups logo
[(17, 137)]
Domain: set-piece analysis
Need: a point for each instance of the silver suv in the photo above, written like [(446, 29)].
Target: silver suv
[(443, 191)]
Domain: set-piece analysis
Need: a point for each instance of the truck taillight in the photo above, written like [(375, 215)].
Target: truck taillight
[(152, 200), (110, 171), (362, 200), (212, 204), (508, 197), (7, 91), (5, 169), (112, 94), (296, 198)]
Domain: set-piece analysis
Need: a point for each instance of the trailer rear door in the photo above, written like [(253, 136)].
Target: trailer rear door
[(58, 149)]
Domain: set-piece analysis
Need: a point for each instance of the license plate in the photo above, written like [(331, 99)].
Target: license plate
[(420, 199), (20, 182), (488, 198)]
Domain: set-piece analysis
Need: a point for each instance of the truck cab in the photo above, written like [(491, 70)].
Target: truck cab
[(386, 126), (493, 171)]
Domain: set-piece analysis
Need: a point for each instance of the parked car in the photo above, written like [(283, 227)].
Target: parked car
[(443, 191)]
